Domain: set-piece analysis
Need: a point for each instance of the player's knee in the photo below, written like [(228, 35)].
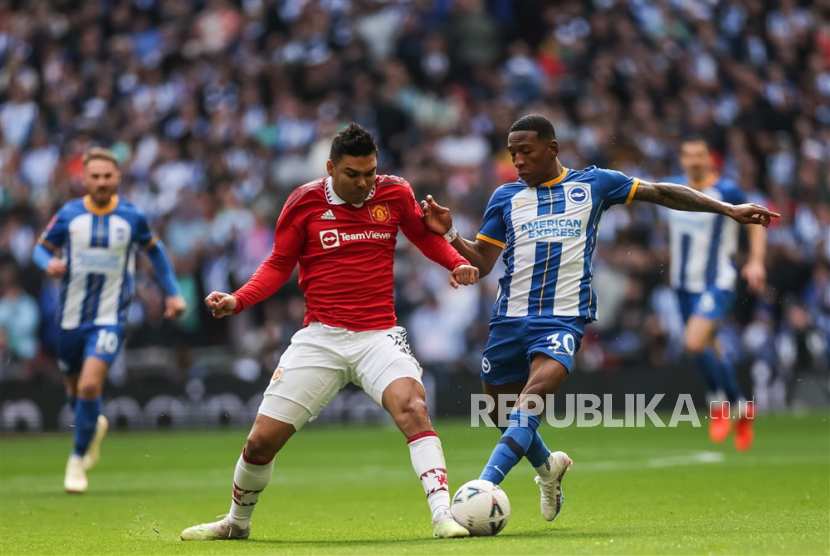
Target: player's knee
[(259, 447), (695, 344), (88, 390), (412, 415), (414, 407)]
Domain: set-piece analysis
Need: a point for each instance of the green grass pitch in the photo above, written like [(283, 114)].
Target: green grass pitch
[(351, 490)]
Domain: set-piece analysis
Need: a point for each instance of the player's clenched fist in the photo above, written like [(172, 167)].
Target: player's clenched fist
[(220, 304), (174, 306), (464, 275), (56, 268)]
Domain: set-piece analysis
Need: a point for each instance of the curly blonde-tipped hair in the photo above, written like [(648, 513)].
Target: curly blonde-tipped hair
[(98, 153)]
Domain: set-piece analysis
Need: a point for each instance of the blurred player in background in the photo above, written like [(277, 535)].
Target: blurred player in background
[(342, 230), (96, 236), (546, 226), (703, 249)]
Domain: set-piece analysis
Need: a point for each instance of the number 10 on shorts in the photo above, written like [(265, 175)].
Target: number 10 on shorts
[(567, 342), (107, 342)]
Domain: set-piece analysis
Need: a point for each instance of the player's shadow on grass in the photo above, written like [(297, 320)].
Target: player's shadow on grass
[(562, 532), (565, 532)]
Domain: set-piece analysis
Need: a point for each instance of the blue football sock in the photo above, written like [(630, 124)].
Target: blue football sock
[(512, 446), (729, 380), (86, 417), (710, 370), (537, 454)]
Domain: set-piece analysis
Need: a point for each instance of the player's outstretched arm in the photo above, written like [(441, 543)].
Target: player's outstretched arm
[(679, 197), (481, 254)]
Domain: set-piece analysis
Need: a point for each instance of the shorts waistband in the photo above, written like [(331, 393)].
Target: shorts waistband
[(332, 329), (340, 330)]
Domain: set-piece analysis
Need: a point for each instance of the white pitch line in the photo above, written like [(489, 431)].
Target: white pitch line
[(694, 458), (209, 478)]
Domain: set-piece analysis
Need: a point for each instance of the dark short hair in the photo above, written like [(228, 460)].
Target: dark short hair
[(535, 122), (352, 141), (695, 139)]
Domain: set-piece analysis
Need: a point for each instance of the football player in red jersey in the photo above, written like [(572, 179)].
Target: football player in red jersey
[(342, 231)]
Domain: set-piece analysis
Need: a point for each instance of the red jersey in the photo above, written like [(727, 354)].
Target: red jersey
[(346, 253)]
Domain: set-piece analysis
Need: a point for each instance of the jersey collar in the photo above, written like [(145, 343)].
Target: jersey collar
[(555, 180), (100, 211), (335, 199)]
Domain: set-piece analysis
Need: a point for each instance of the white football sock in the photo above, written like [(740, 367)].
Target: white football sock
[(428, 462), (249, 480)]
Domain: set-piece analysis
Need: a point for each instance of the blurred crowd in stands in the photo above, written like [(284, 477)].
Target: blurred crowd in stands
[(217, 109)]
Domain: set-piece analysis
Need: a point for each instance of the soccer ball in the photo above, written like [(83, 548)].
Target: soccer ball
[(481, 507)]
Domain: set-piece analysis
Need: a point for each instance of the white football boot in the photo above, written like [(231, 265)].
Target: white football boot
[(448, 528), (222, 530), (93, 453), (75, 480), (551, 486)]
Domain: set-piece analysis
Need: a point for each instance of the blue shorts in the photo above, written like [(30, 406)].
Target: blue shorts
[(513, 341), (713, 304), (88, 340)]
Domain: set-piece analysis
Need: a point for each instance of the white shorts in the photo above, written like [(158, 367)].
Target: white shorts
[(322, 359)]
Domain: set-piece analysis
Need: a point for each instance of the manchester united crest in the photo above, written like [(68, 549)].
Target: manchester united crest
[(379, 213)]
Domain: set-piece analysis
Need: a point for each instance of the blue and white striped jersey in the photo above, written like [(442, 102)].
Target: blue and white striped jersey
[(548, 234), (703, 245), (98, 249)]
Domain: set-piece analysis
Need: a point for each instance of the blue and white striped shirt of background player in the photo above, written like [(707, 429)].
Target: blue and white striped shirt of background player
[(97, 288), (548, 234), (703, 248)]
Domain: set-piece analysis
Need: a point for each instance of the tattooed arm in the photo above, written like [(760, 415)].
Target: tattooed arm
[(679, 197)]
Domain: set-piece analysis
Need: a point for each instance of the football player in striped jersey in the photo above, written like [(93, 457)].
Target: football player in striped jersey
[(89, 245), (545, 228)]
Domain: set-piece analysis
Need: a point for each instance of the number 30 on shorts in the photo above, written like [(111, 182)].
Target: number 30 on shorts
[(107, 342), (567, 342)]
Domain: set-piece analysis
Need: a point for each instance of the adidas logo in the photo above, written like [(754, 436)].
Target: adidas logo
[(328, 215)]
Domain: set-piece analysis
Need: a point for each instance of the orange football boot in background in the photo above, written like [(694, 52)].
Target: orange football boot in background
[(744, 435), (719, 422)]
